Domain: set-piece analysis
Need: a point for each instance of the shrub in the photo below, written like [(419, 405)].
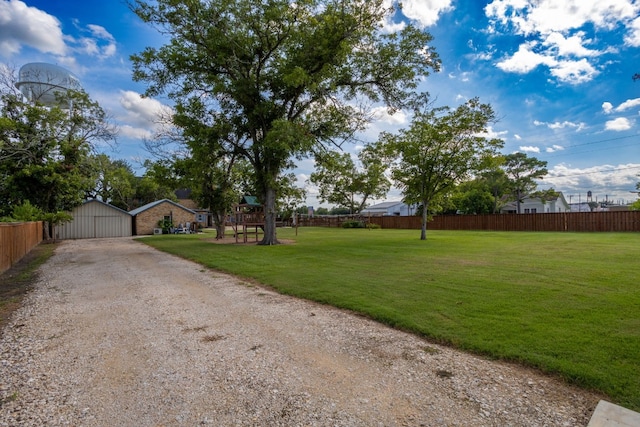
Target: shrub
[(353, 224)]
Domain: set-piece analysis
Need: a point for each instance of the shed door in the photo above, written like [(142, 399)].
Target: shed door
[(107, 226)]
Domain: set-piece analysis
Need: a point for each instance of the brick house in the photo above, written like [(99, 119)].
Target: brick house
[(146, 218)]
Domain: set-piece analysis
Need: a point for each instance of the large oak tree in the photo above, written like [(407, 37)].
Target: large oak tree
[(288, 76)]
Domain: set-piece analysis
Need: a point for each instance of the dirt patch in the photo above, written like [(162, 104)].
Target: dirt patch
[(16, 282)]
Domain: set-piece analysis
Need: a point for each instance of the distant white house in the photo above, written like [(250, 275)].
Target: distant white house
[(390, 209), (537, 205)]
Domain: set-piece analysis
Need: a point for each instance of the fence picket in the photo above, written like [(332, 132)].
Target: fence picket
[(16, 240)]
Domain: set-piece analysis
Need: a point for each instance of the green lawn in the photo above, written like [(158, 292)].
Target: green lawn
[(566, 303)]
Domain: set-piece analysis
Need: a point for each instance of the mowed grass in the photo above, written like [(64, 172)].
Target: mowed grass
[(566, 303)]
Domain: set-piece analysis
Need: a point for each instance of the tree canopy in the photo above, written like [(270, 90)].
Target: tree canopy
[(341, 182), (522, 172), (441, 148), (287, 77), (44, 151)]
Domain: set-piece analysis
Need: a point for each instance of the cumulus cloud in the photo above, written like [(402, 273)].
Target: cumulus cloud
[(101, 42), (608, 108), (525, 60), (529, 149), (25, 26), (22, 25), (633, 36), (142, 115), (619, 124), (424, 13), (554, 148), (381, 115), (555, 33), (493, 134), (545, 16), (611, 181)]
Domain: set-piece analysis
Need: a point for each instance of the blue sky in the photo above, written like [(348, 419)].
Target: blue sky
[(557, 73)]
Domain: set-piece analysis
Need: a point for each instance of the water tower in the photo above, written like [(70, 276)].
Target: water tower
[(40, 82)]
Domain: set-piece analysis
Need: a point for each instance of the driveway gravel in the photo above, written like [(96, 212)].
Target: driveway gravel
[(118, 334)]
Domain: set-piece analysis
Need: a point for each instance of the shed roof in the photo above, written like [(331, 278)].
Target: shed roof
[(156, 203), (105, 204)]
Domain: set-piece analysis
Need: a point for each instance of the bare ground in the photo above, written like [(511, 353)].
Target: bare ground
[(118, 334)]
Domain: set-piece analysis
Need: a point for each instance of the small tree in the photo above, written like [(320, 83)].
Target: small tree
[(440, 149), (522, 172), (342, 183)]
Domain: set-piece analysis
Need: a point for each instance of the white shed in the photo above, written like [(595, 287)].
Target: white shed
[(94, 219), (390, 209)]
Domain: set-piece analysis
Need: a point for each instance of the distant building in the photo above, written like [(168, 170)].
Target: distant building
[(390, 209), (146, 218), (537, 205)]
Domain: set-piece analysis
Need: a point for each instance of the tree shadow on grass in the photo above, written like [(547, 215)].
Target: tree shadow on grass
[(17, 281)]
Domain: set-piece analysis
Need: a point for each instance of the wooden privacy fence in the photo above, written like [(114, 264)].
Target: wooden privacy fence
[(568, 221), (16, 240)]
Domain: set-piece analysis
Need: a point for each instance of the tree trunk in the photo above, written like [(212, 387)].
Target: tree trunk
[(219, 223), (423, 228), (269, 218)]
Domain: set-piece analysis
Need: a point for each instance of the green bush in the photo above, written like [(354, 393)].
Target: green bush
[(353, 224), (166, 225)]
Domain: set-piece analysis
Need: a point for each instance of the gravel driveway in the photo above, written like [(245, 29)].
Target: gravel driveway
[(119, 334)]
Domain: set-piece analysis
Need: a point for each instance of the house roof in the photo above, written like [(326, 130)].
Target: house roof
[(156, 203), (105, 204), (560, 197), (382, 206)]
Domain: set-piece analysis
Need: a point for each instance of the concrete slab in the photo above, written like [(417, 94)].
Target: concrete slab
[(610, 415)]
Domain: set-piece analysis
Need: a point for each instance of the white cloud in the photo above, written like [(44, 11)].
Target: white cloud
[(619, 124), (561, 125), (530, 149), (555, 33), (604, 181), (103, 40), (574, 72), (21, 25), (142, 115), (381, 115), (626, 105), (569, 46), (129, 131), (493, 134), (425, 12), (546, 16), (525, 60), (633, 36), (554, 148)]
